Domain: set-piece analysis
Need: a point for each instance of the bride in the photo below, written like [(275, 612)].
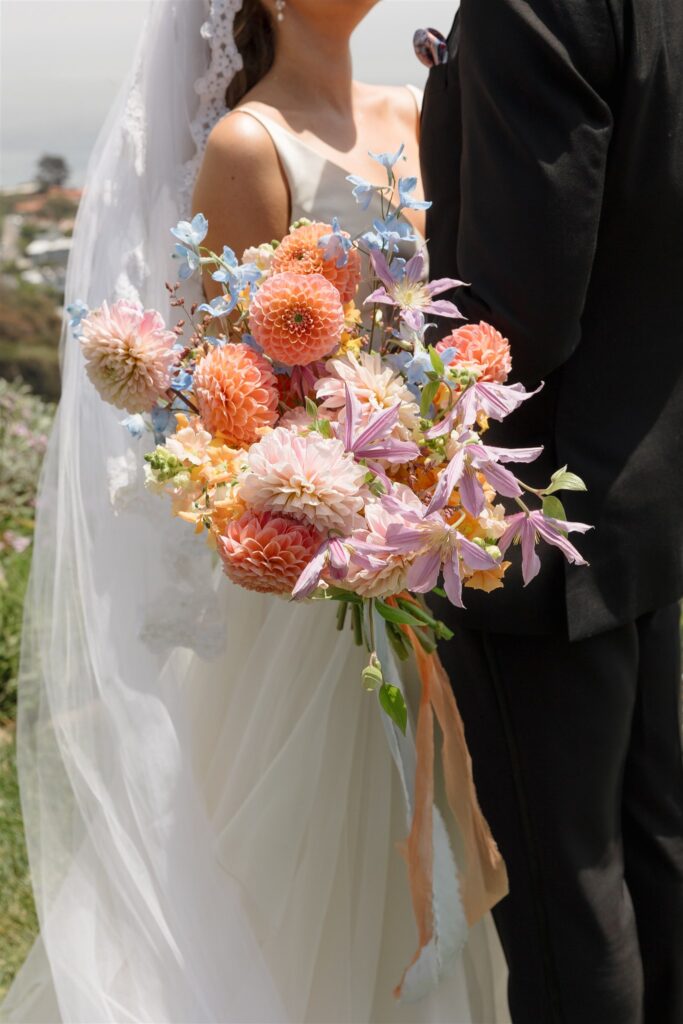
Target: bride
[(212, 837)]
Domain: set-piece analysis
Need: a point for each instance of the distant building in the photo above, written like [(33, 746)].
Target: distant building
[(38, 204)]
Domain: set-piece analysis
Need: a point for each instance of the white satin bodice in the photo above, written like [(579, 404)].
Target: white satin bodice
[(318, 186)]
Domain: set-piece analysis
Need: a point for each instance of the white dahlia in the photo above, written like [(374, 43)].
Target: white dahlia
[(374, 384), (309, 477)]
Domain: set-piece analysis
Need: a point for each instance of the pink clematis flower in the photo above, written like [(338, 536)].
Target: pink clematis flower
[(332, 558), (495, 400), (436, 545), (468, 455), (529, 527), (408, 290), (374, 440)]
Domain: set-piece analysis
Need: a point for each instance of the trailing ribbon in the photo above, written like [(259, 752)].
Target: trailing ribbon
[(483, 877)]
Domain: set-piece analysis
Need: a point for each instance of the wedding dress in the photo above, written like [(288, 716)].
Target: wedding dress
[(211, 806)]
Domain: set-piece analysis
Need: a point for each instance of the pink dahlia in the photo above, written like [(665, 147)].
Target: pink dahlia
[(297, 318), (236, 393), (300, 252), (266, 552), (480, 347), (129, 354), (309, 477)]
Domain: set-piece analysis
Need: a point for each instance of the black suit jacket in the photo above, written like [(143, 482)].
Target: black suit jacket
[(552, 147)]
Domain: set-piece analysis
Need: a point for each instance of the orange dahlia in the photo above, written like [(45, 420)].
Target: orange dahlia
[(266, 552), (297, 318), (236, 393), (300, 253), (482, 348)]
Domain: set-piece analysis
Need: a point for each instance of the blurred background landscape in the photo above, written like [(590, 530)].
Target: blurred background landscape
[(61, 64)]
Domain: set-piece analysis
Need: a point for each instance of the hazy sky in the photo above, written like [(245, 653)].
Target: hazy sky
[(61, 62)]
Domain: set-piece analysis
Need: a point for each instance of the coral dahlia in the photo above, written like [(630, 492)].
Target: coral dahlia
[(236, 393), (129, 354), (480, 347), (300, 252), (297, 318), (266, 552)]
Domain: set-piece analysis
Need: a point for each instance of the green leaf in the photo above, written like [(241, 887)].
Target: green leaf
[(312, 409), (563, 480), (325, 428), (428, 394), (437, 362), (554, 508), (393, 704)]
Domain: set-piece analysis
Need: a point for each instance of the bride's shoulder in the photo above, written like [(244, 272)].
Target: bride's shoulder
[(238, 141), (393, 102)]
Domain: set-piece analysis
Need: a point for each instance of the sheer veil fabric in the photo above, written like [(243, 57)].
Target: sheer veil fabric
[(211, 835)]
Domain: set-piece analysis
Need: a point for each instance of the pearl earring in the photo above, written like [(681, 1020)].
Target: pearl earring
[(280, 9)]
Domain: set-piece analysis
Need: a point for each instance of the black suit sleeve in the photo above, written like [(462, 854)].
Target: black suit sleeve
[(536, 132)]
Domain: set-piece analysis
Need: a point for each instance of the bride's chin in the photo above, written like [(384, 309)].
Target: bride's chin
[(331, 9)]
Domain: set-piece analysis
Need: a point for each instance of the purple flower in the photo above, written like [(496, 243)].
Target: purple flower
[(374, 441), (437, 547), (529, 527), (333, 556), (468, 456), (409, 291), (495, 400)]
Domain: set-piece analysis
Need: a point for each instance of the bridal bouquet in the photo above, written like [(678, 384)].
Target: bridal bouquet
[(306, 422), (324, 446)]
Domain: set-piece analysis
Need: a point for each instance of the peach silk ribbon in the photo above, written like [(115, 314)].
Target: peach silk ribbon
[(483, 877)]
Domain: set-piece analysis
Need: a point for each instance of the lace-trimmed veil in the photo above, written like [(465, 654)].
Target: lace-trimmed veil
[(166, 717), (102, 769)]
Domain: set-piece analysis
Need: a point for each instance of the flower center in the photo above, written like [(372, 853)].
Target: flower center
[(298, 320)]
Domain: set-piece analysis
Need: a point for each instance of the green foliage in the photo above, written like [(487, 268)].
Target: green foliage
[(30, 327), (392, 702), (18, 924)]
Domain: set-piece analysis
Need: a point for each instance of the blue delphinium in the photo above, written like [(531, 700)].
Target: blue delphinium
[(389, 233), (190, 235), (135, 425), (388, 160), (236, 277), (406, 186), (336, 245), (77, 311), (163, 423), (363, 191)]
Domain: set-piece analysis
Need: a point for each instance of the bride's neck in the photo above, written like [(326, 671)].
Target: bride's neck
[(314, 59)]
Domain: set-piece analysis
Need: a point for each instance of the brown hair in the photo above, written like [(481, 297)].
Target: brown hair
[(255, 39)]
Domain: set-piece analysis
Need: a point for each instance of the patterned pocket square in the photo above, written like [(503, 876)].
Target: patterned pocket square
[(431, 47)]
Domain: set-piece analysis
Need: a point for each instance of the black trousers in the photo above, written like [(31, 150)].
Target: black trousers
[(577, 761)]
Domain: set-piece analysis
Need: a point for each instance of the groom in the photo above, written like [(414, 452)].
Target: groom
[(553, 151)]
